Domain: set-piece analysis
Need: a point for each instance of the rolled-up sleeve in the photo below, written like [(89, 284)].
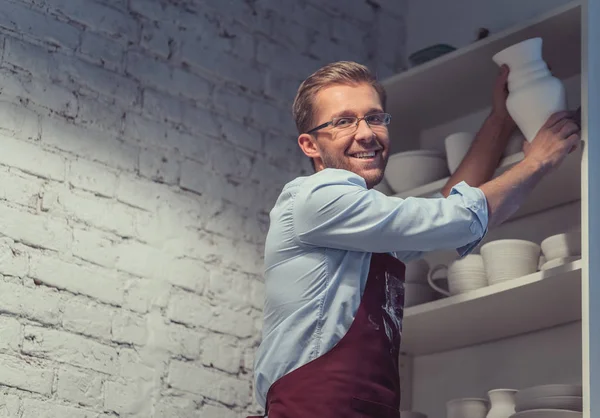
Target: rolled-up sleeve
[(335, 209)]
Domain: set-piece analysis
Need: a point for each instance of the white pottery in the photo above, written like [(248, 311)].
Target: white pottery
[(384, 187), (464, 275), (502, 403), (548, 413), (569, 403), (542, 391), (555, 262), (563, 245), (466, 408), (416, 271), (534, 93), (412, 414), (457, 146), (410, 169), (515, 144), (509, 259), (416, 294), (542, 261)]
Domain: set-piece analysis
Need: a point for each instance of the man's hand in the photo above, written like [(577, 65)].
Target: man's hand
[(559, 136), (499, 96)]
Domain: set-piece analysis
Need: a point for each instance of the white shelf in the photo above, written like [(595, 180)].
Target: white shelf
[(557, 188), (538, 301), (460, 83)]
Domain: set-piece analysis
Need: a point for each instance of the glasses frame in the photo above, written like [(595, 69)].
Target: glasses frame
[(332, 121)]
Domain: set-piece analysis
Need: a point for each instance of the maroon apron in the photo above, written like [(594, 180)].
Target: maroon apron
[(359, 376)]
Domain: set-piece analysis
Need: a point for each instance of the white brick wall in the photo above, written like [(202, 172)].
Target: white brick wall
[(143, 143)]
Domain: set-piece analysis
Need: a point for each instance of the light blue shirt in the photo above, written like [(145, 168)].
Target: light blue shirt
[(323, 230)]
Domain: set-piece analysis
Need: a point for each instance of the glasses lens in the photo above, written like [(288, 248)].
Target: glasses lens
[(344, 122), (378, 119)]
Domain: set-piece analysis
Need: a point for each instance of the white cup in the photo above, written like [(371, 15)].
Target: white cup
[(508, 259), (467, 408), (464, 275), (457, 146)]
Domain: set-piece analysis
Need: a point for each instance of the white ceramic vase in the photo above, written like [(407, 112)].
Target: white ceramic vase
[(534, 93), (502, 403)]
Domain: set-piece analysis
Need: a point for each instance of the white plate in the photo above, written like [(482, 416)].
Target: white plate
[(558, 262), (569, 403), (420, 152), (543, 391), (547, 413)]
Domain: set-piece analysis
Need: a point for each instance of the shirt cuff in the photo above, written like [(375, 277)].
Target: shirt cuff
[(476, 202)]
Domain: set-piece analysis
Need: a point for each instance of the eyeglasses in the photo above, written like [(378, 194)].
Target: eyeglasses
[(345, 122)]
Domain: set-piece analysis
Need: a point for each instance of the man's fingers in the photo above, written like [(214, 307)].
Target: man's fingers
[(573, 141), (555, 118)]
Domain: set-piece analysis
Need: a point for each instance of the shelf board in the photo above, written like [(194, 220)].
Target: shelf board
[(560, 187), (460, 83), (534, 302)]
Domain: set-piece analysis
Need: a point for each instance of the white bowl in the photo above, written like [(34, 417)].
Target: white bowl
[(509, 259), (416, 294), (562, 245), (555, 262), (457, 145), (569, 403), (547, 413), (416, 271), (411, 169), (412, 414), (543, 391), (467, 407)]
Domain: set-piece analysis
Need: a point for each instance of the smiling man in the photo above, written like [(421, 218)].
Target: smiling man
[(336, 247)]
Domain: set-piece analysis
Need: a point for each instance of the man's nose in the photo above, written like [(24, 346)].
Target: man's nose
[(363, 131)]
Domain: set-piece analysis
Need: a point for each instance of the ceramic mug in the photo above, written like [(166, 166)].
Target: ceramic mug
[(464, 275)]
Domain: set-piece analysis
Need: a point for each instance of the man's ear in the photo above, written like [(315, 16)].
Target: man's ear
[(309, 146)]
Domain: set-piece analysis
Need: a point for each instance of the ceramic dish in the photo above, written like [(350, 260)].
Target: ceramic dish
[(547, 413), (410, 169), (570, 403)]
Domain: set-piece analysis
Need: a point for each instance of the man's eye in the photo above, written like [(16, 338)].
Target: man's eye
[(375, 119), (340, 123)]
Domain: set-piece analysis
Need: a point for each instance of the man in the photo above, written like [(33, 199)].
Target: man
[(336, 248)]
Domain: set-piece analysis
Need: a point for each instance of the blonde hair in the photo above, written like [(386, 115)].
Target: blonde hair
[(341, 72)]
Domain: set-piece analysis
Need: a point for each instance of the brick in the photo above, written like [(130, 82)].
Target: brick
[(93, 177), (160, 166), (141, 260), (188, 273), (33, 408), (10, 335), (282, 87), (213, 385), (38, 304), (233, 101), (85, 280), (138, 192), (97, 17), (79, 386), (176, 110), (20, 19), (173, 80), (174, 338), (176, 407), (21, 122), (154, 10), (159, 37), (194, 310), (9, 406), (217, 411), (95, 114), (125, 398), (68, 348), (228, 221), (102, 51), (14, 260), (88, 318), (228, 159), (19, 188), (94, 146), (42, 93), (34, 230), (98, 212), (230, 286), (222, 352), (30, 376), (128, 327), (143, 295), (94, 246), (285, 60), (141, 366), (31, 159), (242, 135), (152, 133)]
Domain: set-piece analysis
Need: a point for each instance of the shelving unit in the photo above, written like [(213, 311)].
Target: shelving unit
[(559, 187), (464, 345), (460, 83), (498, 311)]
